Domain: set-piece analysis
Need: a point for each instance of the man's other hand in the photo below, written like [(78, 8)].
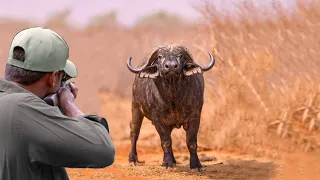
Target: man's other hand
[(66, 100), (73, 88)]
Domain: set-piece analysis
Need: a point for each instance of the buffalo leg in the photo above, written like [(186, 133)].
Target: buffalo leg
[(166, 144), (174, 160), (191, 138), (135, 126)]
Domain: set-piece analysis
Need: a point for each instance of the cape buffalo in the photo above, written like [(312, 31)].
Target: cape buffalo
[(168, 90)]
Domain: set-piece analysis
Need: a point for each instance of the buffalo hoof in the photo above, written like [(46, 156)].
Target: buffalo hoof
[(168, 161), (138, 163), (196, 165), (133, 160), (168, 165), (201, 169)]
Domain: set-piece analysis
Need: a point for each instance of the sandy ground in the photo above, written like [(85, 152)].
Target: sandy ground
[(218, 165)]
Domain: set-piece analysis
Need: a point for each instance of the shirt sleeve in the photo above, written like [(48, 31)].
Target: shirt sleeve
[(55, 139)]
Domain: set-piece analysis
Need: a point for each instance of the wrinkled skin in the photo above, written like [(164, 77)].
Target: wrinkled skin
[(170, 99)]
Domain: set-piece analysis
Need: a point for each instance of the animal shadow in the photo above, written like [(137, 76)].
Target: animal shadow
[(234, 169)]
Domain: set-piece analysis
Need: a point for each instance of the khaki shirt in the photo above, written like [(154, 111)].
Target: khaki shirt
[(37, 141)]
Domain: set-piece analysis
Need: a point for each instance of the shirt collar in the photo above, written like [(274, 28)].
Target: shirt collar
[(11, 87)]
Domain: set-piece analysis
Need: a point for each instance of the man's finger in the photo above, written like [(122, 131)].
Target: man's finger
[(73, 89)]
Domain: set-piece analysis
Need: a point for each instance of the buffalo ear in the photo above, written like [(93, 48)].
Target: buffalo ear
[(191, 68), (152, 69), (149, 72)]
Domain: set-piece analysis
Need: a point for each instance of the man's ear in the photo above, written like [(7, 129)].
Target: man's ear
[(51, 78)]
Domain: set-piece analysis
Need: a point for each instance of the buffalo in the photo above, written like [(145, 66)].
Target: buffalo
[(168, 89)]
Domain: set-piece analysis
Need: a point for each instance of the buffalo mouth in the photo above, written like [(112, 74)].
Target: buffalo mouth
[(171, 74)]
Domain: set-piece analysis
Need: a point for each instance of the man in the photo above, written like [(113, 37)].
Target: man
[(37, 141), (71, 72)]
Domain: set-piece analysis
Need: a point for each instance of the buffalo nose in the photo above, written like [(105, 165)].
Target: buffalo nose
[(171, 65)]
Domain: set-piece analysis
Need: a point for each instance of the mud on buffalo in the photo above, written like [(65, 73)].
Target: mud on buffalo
[(168, 89)]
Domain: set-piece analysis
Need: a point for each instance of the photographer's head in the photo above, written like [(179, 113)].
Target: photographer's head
[(38, 61)]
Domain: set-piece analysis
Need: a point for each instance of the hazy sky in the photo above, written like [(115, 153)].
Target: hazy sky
[(128, 10)]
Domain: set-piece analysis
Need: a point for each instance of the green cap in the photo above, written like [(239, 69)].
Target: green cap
[(71, 69), (45, 50)]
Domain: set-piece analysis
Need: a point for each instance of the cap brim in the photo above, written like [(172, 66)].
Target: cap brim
[(70, 69)]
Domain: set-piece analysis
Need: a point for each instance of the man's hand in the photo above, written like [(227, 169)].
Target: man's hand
[(66, 100), (73, 89)]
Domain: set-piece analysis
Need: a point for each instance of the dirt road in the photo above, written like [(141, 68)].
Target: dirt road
[(218, 165)]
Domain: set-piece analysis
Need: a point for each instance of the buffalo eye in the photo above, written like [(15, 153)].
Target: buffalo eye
[(160, 56), (180, 57), (188, 66)]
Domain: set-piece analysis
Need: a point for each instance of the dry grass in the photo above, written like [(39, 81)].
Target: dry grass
[(261, 98), (266, 80)]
